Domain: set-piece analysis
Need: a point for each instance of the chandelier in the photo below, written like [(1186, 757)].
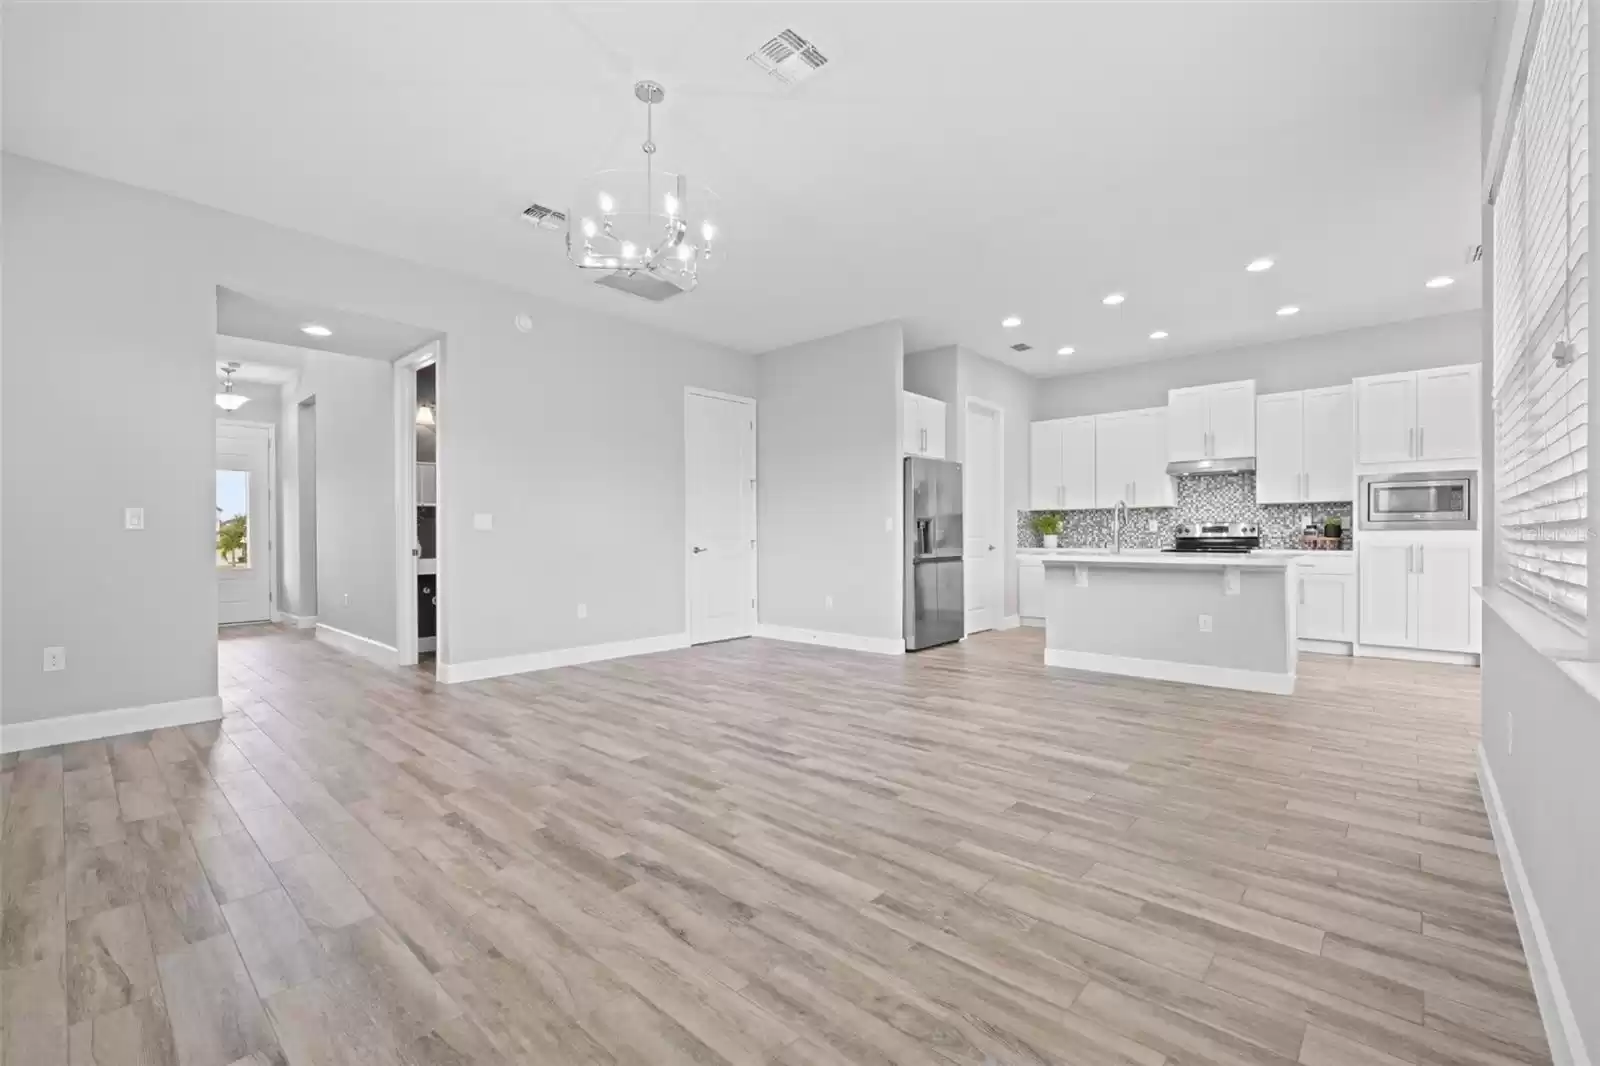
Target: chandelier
[(644, 230), (227, 399)]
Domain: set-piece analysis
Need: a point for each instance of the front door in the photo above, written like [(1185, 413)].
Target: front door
[(720, 474), (243, 533), (984, 561)]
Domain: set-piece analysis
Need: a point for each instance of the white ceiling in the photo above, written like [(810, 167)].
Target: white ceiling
[(279, 322), (953, 164)]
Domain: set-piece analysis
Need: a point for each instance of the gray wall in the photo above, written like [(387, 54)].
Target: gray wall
[(954, 374), (1306, 363), (1543, 767), (828, 454), (554, 430), (354, 528)]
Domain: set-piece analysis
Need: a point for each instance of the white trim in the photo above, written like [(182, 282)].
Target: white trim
[(1518, 53), (1555, 1008), (427, 644), (531, 662), (92, 725), (364, 647), (1159, 670), (1327, 647), (847, 641), (1010, 621), (272, 513), (405, 496), (1033, 621), (999, 475), (755, 511), (1417, 655), (300, 621)]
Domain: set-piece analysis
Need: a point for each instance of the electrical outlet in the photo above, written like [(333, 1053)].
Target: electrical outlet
[(347, 599), (827, 601), (133, 518), (1205, 623), (583, 610), (55, 659), (1152, 526)]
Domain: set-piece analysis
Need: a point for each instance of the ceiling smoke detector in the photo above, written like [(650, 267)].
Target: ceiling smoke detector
[(789, 58), (544, 217)]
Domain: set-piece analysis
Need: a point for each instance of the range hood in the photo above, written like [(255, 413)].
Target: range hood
[(1193, 467)]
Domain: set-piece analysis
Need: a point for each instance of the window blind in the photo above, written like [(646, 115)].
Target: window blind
[(1541, 336)]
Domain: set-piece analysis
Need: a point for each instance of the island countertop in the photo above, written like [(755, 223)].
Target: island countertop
[(1154, 559)]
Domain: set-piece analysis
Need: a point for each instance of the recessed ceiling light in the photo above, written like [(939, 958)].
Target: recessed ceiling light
[(316, 330), (1011, 323), (1256, 266), (1289, 310), (1440, 282), (1159, 335), (1065, 351), (1114, 299)]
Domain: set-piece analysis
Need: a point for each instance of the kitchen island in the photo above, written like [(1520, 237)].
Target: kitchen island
[(1227, 621)]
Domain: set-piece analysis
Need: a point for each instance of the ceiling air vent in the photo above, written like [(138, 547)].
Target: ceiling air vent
[(545, 217), (789, 57), (1022, 346)]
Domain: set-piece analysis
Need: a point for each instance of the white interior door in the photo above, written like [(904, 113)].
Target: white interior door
[(983, 561), (720, 467), (243, 523)]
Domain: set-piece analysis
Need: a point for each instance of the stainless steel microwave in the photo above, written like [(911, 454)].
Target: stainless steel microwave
[(1447, 500)]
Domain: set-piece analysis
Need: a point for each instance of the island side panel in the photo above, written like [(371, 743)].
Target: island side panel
[(1153, 613)]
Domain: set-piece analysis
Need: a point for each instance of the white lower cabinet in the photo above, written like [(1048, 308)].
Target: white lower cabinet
[(1030, 587), (1327, 599), (1417, 592)]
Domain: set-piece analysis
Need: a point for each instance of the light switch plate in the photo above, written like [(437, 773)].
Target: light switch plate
[(133, 518), (1205, 623), (483, 521)]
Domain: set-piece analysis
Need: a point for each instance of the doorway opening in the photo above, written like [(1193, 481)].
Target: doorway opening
[(244, 522), (417, 577), (719, 515)]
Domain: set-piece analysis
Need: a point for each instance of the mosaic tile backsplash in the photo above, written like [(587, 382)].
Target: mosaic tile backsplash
[(1214, 498)]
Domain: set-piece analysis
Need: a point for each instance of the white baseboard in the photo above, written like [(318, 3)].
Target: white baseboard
[(1158, 670), (847, 641), (300, 621), (478, 669), (366, 648), (1033, 623), (1327, 647), (71, 728), (1417, 655), (1010, 621), (1560, 1025)]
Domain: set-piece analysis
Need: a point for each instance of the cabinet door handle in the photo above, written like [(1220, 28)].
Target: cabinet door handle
[(1422, 437), (1411, 444)]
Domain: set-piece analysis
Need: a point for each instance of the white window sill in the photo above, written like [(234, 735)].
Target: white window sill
[(1568, 651)]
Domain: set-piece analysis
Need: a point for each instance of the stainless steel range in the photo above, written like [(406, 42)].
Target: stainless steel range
[(1222, 537)]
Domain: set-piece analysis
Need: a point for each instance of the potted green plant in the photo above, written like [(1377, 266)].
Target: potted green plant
[(1048, 526)]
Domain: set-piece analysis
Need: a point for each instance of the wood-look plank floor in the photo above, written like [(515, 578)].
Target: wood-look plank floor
[(757, 852)]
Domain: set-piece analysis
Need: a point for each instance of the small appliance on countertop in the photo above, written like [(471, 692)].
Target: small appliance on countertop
[(1222, 537)]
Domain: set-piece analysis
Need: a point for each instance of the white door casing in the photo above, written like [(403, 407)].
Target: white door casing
[(244, 589), (982, 507), (720, 515)]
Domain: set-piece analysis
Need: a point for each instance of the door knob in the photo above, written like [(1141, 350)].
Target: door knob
[(698, 550)]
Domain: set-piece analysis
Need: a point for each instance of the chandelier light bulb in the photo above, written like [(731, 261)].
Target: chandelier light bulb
[(589, 228), (628, 250), (685, 252), (607, 204), (707, 231), (672, 205)]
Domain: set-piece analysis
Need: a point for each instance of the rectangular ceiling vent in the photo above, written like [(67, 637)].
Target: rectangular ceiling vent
[(789, 57), (545, 217), (1022, 346)]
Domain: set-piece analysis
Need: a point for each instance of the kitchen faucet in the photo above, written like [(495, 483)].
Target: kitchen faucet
[(1119, 516)]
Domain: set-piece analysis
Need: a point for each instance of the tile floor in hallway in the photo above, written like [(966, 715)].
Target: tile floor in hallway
[(757, 852)]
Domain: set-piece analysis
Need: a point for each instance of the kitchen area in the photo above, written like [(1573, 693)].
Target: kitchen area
[(1215, 538)]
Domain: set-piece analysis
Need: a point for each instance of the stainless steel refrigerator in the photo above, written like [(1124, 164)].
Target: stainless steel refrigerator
[(935, 613)]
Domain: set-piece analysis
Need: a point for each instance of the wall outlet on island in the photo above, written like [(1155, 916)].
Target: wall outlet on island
[(827, 601), (1205, 623)]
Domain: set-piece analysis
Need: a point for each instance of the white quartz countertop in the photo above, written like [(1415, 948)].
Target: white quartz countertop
[(1151, 557)]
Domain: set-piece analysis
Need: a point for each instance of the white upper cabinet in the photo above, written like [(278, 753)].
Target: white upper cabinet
[(1327, 445), (1131, 459), (1448, 409), (1303, 446), (1428, 414), (1062, 468), (1280, 457), (1211, 421), (1044, 466), (922, 425)]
